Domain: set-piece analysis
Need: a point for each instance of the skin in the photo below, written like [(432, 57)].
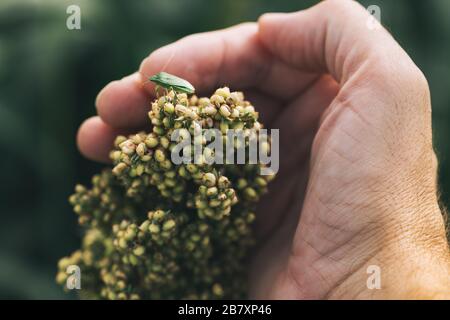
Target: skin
[(357, 180)]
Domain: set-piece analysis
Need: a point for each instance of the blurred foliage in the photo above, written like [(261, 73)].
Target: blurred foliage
[(49, 77)]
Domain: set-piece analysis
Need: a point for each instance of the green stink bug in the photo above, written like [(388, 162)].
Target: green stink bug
[(169, 81)]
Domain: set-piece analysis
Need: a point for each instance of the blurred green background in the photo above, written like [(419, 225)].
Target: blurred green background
[(49, 77)]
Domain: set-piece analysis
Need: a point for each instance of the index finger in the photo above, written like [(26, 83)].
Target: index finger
[(335, 36), (234, 57), (198, 58)]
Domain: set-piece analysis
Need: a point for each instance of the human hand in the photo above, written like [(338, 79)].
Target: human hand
[(357, 180)]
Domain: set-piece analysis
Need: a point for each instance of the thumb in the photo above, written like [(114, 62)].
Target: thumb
[(372, 160), (335, 36), (381, 89)]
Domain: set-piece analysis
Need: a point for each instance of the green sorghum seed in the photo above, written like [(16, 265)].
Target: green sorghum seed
[(211, 191), (151, 141), (139, 251), (169, 108), (159, 155), (169, 225), (153, 228), (209, 179)]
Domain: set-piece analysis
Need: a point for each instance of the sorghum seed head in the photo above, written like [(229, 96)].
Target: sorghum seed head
[(197, 221)]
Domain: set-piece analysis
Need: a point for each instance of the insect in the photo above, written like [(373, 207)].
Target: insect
[(169, 81)]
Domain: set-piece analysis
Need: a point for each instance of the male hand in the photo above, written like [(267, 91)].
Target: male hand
[(357, 181)]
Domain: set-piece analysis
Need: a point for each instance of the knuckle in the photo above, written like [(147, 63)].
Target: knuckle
[(413, 77), (418, 84), (421, 81), (155, 57), (342, 6), (406, 81)]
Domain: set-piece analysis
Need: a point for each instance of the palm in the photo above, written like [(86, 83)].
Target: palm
[(327, 174), (279, 211)]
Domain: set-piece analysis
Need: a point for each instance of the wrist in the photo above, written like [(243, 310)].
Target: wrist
[(413, 262), (416, 278)]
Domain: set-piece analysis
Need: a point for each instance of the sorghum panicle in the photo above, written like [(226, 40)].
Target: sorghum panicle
[(154, 229)]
